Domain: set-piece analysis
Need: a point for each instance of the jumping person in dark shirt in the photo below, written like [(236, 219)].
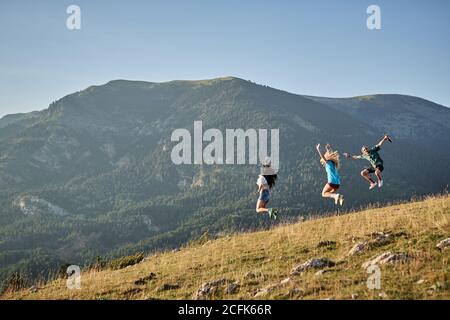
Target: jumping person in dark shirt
[(375, 160)]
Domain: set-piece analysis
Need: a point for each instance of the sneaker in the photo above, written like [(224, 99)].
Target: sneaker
[(372, 185), (273, 213), (341, 199), (380, 183), (336, 199)]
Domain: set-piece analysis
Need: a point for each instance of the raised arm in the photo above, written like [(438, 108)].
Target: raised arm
[(386, 137), (320, 153)]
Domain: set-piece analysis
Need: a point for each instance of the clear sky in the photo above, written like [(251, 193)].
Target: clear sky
[(318, 47)]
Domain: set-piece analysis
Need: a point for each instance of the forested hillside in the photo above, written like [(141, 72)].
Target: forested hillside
[(91, 175)]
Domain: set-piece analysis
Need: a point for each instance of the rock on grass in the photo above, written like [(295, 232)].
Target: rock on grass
[(272, 287), (377, 239), (232, 288), (208, 289), (358, 248), (443, 244), (388, 258), (316, 263)]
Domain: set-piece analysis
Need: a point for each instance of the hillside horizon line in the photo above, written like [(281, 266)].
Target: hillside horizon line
[(211, 81)]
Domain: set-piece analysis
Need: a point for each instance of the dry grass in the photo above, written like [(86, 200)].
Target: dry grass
[(417, 227)]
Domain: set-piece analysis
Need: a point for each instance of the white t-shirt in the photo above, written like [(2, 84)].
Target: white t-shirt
[(262, 182)]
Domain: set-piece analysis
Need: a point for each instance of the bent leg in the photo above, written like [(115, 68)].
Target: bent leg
[(328, 191), (378, 174), (366, 175), (261, 206)]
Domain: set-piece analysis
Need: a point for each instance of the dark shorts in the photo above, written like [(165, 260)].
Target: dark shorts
[(334, 186), (264, 196), (372, 169)]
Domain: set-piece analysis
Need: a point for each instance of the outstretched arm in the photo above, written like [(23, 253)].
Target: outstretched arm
[(320, 153), (348, 155), (386, 137)]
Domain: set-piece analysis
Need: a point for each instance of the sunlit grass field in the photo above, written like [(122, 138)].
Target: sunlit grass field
[(257, 260)]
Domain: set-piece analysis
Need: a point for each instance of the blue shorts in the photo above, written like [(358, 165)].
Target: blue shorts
[(264, 195)]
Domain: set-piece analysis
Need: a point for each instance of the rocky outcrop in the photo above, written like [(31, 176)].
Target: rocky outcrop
[(232, 288), (272, 287), (443, 244), (31, 205), (316, 263), (358, 248), (376, 239), (209, 289), (388, 258)]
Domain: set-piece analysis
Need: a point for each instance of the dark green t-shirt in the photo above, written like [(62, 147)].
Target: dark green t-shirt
[(373, 157)]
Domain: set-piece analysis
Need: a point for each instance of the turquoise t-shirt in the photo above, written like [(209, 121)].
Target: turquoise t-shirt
[(332, 173)]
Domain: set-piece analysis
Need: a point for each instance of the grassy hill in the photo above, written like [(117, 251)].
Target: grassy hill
[(259, 264)]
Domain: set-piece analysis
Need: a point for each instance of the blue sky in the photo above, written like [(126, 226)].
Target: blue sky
[(309, 47)]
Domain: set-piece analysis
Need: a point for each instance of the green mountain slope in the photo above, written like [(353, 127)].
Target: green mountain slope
[(91, 175), (406, 117)]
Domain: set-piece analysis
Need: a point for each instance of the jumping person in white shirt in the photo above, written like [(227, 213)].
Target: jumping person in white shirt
[(266, 181)]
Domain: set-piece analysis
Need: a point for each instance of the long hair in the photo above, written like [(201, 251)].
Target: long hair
[(271, 180), (333, 156)]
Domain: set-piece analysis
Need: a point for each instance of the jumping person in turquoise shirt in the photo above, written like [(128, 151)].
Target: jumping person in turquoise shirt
[(330, 160)]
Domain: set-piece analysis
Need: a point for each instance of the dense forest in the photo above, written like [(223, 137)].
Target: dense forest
[(92, 176)]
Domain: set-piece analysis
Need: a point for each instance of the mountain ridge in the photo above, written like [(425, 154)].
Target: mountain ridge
[(216, 79), (103, 155)]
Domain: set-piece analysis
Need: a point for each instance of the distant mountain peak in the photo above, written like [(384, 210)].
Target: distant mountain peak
[(203, 81)]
